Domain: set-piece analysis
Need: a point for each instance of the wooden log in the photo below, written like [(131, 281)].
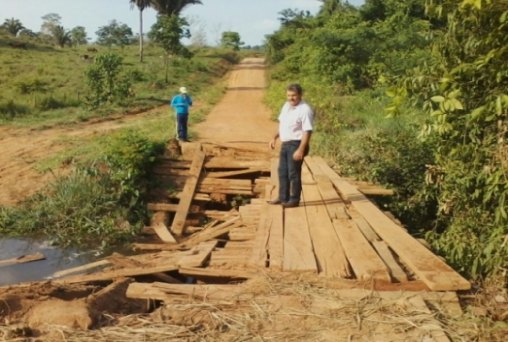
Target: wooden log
[(22, 259), (177, 227), (166, 292), (436, 274)]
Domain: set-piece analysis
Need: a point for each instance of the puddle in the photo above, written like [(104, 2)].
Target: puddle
[(56, 259)]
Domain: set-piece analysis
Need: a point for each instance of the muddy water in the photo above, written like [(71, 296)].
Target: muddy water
[(56, 259)]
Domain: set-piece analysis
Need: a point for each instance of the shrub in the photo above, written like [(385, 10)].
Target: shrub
[(10, 109)]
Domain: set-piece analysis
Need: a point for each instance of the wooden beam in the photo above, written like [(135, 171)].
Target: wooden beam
[(178, 224), (22, 259), (215, 273), (166, 292), (386, 255), (158, 223), (82, 268), (211, 233)]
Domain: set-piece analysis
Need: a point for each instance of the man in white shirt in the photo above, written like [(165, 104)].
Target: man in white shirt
[(295, 129)]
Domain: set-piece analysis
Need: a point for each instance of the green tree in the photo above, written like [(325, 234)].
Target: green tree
[(167, 33), (105, 81), (141, 5), (61, 36), (172, 7), (114, 34), (463, 87), (231, 40), (78, 35), (49, 21), (13, 26)]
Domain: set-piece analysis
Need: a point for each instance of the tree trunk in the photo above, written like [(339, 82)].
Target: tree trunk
[(141, 36)]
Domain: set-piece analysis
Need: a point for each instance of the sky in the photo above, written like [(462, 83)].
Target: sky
[(252, 19)]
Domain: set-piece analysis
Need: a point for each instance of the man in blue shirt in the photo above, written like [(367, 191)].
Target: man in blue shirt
[(181, 104)]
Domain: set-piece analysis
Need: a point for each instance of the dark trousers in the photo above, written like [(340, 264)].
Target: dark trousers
[(181, 121), (290, 173)]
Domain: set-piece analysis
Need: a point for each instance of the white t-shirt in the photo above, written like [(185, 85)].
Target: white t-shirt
[(293, 121)]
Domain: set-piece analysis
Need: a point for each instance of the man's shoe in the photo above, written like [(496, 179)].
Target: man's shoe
[(291, 204), (274, 202)]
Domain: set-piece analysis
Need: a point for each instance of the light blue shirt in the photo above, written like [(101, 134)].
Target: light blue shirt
[(181, 103)]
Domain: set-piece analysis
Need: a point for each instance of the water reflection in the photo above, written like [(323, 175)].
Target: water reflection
[(56, 259)]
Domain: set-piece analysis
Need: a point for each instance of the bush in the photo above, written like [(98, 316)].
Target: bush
[(31, 86), (10, 109), (101, 201)]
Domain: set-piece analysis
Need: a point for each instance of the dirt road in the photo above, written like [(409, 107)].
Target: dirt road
[(22, 149)]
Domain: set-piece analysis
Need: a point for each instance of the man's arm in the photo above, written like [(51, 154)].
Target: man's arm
[(300, 152), (274, 139)]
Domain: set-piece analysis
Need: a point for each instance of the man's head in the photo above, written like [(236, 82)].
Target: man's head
[(183, 90), (294, 94)]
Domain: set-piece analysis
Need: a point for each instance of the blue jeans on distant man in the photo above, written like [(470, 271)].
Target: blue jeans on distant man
[(290, 173), (181, 120)]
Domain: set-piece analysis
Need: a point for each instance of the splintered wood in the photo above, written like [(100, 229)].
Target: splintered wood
[(336, 232)]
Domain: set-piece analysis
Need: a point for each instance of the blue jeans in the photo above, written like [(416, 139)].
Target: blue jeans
[(290, 173), (181, 120)]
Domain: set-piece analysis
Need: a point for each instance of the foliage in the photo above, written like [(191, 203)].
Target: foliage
[(49, 21), (171, 7), (101, 201), (114, 33), (13, 26), (105, 81), (463, 88), (78, 35), (61, 36), (231, 40), (167, 33)]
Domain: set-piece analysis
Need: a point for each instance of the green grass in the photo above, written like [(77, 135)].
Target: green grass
[(46, 86)]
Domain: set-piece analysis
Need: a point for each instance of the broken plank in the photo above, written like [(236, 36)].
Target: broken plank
[(386, 255), (364, 260), (259, 256), (298, 254), (276, 238), (158, 224), (211, 233), (202, 253), (434, 272), (22, 259), (178, 224)]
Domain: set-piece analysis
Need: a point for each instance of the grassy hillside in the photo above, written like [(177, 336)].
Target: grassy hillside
[(46, 85)]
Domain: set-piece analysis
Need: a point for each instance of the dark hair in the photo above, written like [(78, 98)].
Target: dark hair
[(296, 88)]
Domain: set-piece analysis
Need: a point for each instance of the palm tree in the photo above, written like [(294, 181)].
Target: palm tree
[(61, 36), (172, 7), (141, 5), (13, 26)]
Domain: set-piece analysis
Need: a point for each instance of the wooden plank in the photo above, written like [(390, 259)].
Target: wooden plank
[(347, 191), (363, 225), (177, 226), (434, 272), (276, 237), (211, 233), (22, 259), (430, 324), (259, 255), (298, 253), (166, 292), (82, 268), (328, 249), (375, 191), (158, 224), (274, 179), (199, 255), (365, 262), (224, 174), (386, 255), (215, 273)]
